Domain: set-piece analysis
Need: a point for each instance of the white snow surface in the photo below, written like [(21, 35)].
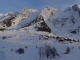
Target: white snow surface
[(20, 38)]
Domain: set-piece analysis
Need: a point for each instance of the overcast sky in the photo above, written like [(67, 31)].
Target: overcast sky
[(17, 5)]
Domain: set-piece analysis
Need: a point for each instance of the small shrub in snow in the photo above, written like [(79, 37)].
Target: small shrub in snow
[(4, 37), (36, 46), (25, 46), (67, 50), (41, 51), (54, 53), (9, 36), (74, 31), (11, 49), (79, 47), (3, 47), (20, 51), (47, 52)]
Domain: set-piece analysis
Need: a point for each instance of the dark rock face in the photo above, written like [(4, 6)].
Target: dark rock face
[(42, 25), (74, 31), (8, 22), (75, 7)]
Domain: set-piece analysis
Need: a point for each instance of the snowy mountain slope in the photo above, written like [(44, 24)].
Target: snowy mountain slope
[(18, 18), (56, 20), (24, 17), (64, 23), (5, 20)]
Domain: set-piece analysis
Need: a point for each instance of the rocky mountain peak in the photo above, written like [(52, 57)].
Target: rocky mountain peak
[(76, 7)]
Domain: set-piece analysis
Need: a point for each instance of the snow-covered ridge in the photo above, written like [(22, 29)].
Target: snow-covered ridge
[(65, 21)]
